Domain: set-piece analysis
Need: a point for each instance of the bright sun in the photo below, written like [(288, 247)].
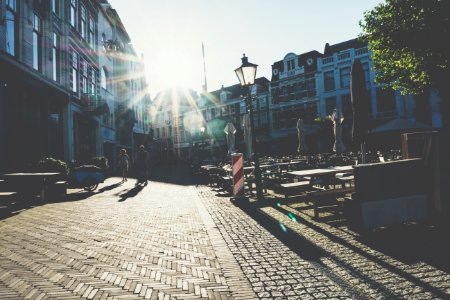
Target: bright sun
[(176, 67)]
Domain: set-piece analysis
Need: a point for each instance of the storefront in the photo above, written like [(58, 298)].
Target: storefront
[(31, 117)]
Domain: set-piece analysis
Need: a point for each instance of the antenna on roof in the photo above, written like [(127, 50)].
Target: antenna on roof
[(205, 86)]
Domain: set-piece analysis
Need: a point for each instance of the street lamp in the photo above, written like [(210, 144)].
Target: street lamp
[(246, 74)]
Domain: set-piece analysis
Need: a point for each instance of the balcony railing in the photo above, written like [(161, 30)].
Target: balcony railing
[(361, 51), (347, 54), (327, 60), (296, 71), (344, 55), (93, 104)]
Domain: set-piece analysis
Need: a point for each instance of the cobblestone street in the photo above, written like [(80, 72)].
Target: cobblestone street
[(169, 241)]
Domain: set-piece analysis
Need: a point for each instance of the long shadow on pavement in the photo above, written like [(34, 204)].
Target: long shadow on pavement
[(11, 205), (408, 243), (131, 193), (301, 246), (378, 242), (304, 248)]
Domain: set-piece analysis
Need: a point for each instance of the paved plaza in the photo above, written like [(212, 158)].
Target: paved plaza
[(181, 241)]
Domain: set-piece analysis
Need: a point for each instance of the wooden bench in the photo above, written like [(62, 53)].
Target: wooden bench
[(293, 188), (345, 178), (325, 198), (57, 189), (49, 189)]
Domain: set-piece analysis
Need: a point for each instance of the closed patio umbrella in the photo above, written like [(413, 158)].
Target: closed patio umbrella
[(361, 107), (337, 118), (230, 132), (247, 136), (302, 148)]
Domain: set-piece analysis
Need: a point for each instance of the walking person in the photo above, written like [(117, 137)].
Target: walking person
[(124, 163), (142, 165)]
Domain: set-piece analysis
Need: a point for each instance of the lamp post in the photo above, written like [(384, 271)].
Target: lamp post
[(202, 130), (246, 74)]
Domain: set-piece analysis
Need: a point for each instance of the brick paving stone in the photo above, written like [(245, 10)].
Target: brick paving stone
[(121, 244), (184, 242)]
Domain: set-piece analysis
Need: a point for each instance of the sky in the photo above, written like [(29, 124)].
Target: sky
[(170, 33)]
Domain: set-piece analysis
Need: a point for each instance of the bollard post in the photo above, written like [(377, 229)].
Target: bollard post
[(237, 162)]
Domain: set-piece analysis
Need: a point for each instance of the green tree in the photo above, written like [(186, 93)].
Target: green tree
[(409, 40)]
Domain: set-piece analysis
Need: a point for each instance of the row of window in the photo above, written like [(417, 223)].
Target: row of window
[(288, 118), (83, 22), (344, 75), (83, 75), (11, 38), (226, 110), (386, 102), (295, 91)]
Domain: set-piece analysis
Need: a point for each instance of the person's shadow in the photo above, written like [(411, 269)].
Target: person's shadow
[(110, 187), (131, 193)]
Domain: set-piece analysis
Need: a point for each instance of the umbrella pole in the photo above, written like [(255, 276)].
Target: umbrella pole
[(363, 152)]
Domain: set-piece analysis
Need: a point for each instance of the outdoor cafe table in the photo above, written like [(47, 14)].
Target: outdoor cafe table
[(321, 173), (24, 181)]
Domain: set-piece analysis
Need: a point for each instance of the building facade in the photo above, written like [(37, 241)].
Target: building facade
[(189, 126), (58, 82), (311, 85), (334, 69), (228, 105), (174, 114), (294, 94), (34, 98)]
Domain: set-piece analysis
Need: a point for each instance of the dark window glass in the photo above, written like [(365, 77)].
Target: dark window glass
[(329, 83), (92, 81), (55, 57), (37, 49), (365, 67), (74, 72), (103, 78), (83, 27), (345, 77), (91, 36), (11, 4), (290, 64), (10, 31), (73, 13), (84, 76), (55, 7)]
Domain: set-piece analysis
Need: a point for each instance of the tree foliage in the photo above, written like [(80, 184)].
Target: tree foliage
[(409, 40)]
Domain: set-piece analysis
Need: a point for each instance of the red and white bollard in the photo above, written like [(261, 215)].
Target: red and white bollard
[(237, 161)]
